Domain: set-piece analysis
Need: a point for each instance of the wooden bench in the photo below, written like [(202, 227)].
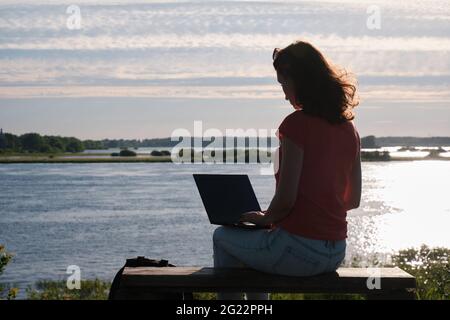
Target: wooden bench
[(144, 282)]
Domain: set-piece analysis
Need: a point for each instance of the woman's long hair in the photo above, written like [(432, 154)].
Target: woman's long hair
[(320, 89)]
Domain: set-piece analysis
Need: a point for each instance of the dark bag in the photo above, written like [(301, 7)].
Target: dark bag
[(115, 294)]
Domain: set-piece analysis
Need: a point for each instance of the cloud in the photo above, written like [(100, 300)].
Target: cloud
[(332, 43), (201, 43), (370, 95)]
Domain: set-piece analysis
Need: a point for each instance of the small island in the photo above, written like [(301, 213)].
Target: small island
[(124, 153)]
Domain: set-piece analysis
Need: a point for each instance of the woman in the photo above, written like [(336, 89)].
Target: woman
[(318, 181)]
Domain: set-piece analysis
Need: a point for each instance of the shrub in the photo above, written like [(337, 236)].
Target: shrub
[(127, 153), (57, 290), (431, 267), (5, 258), (156, 153)]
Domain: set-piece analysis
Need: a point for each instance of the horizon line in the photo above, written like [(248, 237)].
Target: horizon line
[(225, 136)]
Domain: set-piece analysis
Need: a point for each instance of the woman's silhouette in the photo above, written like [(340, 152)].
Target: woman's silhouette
[(318, 181)]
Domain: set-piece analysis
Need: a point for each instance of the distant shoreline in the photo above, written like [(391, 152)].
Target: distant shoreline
[(81, 159), (155, 159), (255, 156)]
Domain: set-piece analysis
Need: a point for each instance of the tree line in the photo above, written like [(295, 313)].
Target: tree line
[(34, 142)]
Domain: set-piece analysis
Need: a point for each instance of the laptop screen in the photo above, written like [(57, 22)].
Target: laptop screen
[(226, 196)]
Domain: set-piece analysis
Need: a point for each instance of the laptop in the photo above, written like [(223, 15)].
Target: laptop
[(226, 197)]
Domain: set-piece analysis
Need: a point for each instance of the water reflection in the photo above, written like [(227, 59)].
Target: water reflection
[(97, 215), (404, 204)]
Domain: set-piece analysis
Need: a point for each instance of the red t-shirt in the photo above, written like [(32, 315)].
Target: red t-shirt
[(330, 151)]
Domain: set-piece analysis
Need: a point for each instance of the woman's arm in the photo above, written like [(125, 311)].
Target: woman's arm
[(354, 198), (286, 193)]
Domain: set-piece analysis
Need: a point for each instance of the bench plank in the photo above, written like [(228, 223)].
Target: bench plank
[(201, 279)]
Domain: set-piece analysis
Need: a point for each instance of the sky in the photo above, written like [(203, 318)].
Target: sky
[(142, 69)]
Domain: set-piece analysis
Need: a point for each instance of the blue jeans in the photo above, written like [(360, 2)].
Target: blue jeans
[(274, 251)]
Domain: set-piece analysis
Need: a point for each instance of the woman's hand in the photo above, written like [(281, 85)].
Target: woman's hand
[(256, 217)]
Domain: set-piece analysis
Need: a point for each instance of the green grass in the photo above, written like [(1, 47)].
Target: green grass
[(291, 296), (431, 267), (57, 290), (98, 290)]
